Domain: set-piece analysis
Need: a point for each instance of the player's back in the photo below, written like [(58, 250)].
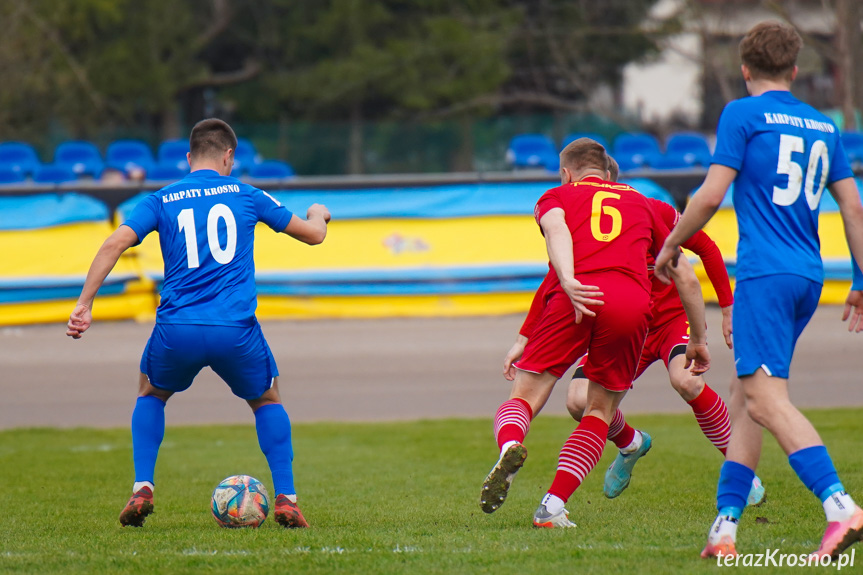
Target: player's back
[(613, 227), (206, 224), (786, 153)]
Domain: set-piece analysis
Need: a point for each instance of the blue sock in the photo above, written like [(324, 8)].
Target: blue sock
[(274, 437), (148, 430), (815, 469), (735, 481)]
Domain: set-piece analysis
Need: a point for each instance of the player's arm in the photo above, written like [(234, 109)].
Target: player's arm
[(106, 258), (689, 289), (513, 355), (701, 208), (558, 241), (848, 199), (706, 249), (313, 229), (533, 316)]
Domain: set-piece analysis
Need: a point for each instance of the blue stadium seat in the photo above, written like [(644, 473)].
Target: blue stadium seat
[(245, 156), (167, 172), (174, 152), (533, 151), (635, 148), (853, 144), (273, 169), (576, 135), (626, 164), (81, 157), (668, 162), (692, 147), (54, 174), (127, 155), (10, 176), (19, 157)]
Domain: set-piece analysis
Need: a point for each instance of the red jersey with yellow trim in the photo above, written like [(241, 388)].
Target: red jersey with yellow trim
[(613, 227), (665, 299)]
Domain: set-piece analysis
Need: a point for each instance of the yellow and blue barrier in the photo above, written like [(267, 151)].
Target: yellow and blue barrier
[(446, 250)]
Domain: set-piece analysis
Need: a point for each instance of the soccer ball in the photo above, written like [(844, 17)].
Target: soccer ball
[(240, 501)]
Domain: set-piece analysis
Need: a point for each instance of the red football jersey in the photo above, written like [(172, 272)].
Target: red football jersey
[(613, 227), (666, 301)]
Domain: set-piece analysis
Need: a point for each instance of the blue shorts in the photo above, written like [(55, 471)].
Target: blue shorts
[(770, 313), (175, 354)]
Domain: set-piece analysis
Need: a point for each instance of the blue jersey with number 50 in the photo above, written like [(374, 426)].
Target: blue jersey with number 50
[(785, 153), (206, 224)]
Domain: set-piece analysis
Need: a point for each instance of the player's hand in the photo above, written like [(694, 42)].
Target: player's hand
[(581, 297), (854, 310), (319, 210), (666, 257), (79, 321), (698, 357), (726, 326), (513, 355)]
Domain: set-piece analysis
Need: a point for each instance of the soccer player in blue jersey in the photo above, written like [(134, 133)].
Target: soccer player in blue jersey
[(206, 224), (780, 154)]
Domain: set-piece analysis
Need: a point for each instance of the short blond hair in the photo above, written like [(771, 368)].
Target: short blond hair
[(583, 154)]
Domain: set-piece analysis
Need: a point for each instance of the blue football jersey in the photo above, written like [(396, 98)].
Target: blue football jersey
[(785, 153), (206, 224)]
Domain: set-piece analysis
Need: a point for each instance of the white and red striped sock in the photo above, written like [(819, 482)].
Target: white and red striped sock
[(512, 421), (619, 432), (712, 417), (579, 456)]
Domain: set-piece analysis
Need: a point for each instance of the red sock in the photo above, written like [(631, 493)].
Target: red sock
[(619, 432), (712, 416), (512, 421), (579, 455)]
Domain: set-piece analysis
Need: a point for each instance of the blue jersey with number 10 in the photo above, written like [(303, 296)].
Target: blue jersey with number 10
[(206, 224), (785, 153)]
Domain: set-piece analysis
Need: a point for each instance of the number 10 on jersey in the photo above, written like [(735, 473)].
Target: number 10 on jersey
[(186, 220)]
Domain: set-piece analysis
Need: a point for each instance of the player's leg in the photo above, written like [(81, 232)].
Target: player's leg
[(579, 456), (274, 437), (529, 392), (632, 444), (619, 431), (769, 405), (709, 409), (167, 366), (557, 341), (616, 342), (742, 456), (242, 358)]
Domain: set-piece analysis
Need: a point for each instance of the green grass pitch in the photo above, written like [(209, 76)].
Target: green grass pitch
[(393, 498)]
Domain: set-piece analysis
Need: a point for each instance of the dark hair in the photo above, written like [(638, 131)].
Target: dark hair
[(211, 137), (770, 50), (582, 154), (613, 169)]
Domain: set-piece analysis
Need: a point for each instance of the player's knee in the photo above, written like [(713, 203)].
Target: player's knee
[(576, 395), (688, 386), (575, 408), (759, 411)]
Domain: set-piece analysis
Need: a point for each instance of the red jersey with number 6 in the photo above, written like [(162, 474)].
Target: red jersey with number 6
[(613, 227)]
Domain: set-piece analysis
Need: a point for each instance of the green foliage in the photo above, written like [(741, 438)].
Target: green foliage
[(81, 67), (392, 498)]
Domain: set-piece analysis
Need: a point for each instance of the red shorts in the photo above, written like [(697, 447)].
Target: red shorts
[(663, 336), (615, 336)]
